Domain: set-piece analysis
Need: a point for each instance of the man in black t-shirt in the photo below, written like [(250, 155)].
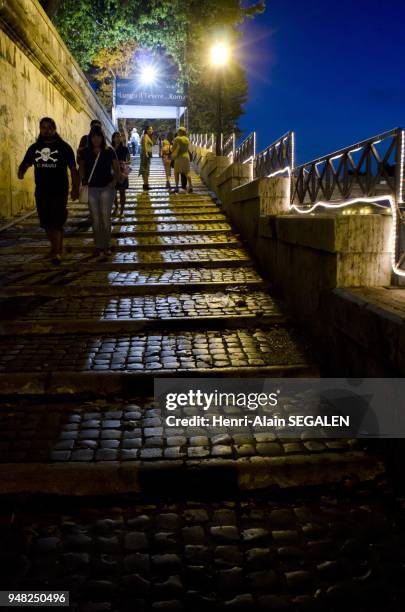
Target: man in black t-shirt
[(51, 157)]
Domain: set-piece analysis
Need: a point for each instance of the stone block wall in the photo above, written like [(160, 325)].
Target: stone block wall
[(307, 258), (209, 166), (39, 78)]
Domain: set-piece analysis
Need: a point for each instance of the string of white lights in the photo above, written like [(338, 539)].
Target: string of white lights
[(370, 200), (401, 169), (365, 200), (286, 169), (350, 202)]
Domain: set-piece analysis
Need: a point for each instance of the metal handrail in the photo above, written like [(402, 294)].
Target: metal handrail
[(211, 142), (229, 146), (338, 177), (246, 150), (278, 158)]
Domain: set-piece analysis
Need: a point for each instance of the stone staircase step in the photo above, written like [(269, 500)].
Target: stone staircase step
[(170, 217), (130, 244), (120, 315), (238, 352), (136, 281), (126, 446), (131, 325), (13, 292), (198, 257), (141, 230), (149, 213), (185, 304), (157, 209)]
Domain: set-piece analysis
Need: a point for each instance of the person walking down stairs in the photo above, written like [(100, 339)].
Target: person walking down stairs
[(146, 155), (100, 170), (51, 157), (124, 159), (181, 156), (167, 160)]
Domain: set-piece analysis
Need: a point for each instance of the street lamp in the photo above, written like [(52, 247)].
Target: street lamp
[(219, 56), (148, 74)]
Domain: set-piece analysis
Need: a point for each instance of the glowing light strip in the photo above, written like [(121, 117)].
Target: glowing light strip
[(366, 200), (242, 145), (401, 168), (292, 149), (286, 169)]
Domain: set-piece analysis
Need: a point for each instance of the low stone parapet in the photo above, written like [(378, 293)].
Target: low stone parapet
[(234, 175)]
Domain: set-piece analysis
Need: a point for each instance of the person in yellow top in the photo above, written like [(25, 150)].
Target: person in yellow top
[(146, 154), (181, 156), (166, 155)]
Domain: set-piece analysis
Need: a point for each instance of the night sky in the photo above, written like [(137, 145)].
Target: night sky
[(332, 71)]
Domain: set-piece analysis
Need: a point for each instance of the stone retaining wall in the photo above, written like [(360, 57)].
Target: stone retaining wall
[(305, 257), (38, 77)]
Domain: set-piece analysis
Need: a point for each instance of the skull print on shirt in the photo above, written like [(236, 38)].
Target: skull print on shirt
[(46, 155)]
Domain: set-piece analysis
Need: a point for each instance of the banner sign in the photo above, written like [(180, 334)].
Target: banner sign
[(130, 92)]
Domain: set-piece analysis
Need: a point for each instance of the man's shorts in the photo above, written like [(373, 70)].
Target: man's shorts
[(182, 165), (52, 210)]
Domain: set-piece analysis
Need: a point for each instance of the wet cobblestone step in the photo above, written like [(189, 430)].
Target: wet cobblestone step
[(147, 218), (142, 229), (132, 325), (132, 208), (51, 381), (135, 211), (138, 281), (197, 257), (135, 197), (106, 446), (8, 294), (175, 305), (330, 553), (130, 244), (236, 350)]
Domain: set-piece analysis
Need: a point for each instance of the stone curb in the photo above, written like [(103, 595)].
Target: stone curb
[(17, 220), (12, 291), (176, 477), (90, 326), (125, 248), (216, 218), (139, 382), (111, 266), (77, 233)]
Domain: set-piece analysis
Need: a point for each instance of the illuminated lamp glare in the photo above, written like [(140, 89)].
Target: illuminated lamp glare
[(148, 74), (219, 54)]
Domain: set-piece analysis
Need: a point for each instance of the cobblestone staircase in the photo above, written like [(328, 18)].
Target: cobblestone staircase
[(79, 347), (179, 296), (177, 269)]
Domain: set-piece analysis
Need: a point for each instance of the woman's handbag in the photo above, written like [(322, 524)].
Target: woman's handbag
[(125, 169), (84, 189)]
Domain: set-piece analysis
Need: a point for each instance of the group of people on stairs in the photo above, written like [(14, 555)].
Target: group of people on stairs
[(175, 153), (99, 173)]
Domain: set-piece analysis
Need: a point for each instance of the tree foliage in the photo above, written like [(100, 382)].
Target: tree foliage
[(103, 36)]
